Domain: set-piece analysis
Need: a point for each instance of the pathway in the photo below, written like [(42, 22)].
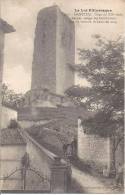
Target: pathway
[(91, 184)]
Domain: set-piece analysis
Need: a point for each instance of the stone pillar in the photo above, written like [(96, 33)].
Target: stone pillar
[(112, 156), (60, 177), (4, 28)]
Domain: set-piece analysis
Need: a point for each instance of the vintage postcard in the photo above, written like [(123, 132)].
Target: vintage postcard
[(62, 96)]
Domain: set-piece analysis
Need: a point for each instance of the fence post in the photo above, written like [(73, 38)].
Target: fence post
[(60, 177)]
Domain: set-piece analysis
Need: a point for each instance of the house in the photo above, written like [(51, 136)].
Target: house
[(13, 148)]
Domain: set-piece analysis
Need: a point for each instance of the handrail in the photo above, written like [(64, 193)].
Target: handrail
[(24, 134)]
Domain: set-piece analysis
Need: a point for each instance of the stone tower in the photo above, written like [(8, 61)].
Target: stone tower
[(54, 50)]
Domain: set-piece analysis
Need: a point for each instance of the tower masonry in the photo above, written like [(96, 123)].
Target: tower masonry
[(54, 50)]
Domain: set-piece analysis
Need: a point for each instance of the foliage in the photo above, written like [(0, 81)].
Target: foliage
[(77, 94), (102, 67), (10, 98)]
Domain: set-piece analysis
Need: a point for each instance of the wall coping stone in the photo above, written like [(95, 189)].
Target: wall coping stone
[(47, 152)]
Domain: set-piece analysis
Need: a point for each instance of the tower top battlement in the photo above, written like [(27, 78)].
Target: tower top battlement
[(53, 8)]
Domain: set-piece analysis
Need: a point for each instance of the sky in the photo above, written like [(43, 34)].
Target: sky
[(22, 14)]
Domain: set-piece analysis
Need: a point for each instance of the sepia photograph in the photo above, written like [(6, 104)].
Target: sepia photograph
[(62, 96)]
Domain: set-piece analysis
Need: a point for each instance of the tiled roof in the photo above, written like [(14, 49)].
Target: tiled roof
[(11, 136)]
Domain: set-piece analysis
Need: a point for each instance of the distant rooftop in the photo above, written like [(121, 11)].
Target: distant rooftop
[(6, 28), (11, 136)]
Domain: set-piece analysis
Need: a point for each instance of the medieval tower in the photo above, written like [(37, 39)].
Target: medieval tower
[(54, 50)]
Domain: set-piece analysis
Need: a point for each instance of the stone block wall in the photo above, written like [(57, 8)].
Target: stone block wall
[(94, 149), (46, 113)]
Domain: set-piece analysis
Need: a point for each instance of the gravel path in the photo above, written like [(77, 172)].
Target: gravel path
[(91, 184)]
